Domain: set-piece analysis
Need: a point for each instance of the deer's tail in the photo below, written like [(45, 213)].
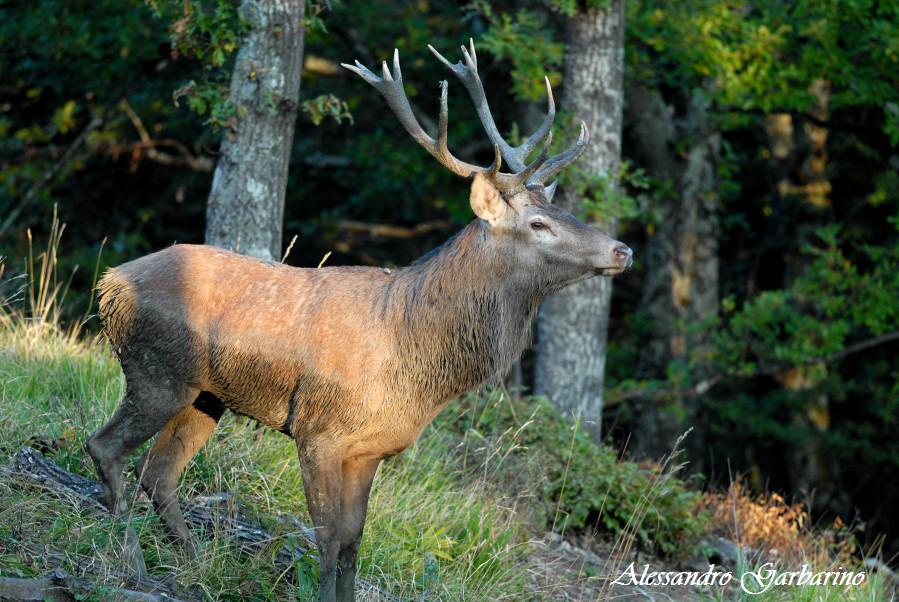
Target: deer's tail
[(118, 306)]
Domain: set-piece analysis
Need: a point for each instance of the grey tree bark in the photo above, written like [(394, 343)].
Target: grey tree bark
[(572, 325), (681, 282), (245, 210)]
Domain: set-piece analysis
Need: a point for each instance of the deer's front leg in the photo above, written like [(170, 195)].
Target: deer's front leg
[(322, 477), (358, 474)]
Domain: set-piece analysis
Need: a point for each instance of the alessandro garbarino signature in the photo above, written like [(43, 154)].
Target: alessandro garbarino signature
[(759, 581)]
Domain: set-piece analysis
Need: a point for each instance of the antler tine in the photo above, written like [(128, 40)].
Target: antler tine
[(559, 162), (442, 135), (550, 191), (390, 85), (493, 170), (467, 72), (534, 165), (528, 145), (443, 123)]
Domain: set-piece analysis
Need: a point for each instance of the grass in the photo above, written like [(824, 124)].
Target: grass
[(569, 482)]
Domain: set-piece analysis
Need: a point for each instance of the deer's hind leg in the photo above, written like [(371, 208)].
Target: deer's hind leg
[(149, 403), (177, 443)]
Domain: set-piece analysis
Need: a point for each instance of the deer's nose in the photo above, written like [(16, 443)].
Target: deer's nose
[(624, 254)]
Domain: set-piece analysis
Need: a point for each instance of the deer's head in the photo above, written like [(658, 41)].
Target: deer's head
[(543, 237), (517, 206)]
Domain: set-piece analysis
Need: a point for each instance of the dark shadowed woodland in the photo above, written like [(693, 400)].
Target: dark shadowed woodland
[(731, 398)]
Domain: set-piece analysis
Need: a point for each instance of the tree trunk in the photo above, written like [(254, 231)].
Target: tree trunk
[(799, 151), (681, 283), (246, 204), (572, 325)]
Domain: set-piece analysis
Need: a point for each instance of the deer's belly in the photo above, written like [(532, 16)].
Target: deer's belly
[(251, 382)]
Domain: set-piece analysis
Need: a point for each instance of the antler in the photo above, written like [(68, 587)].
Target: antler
[(390, 85), (391, 88), (515, 156)]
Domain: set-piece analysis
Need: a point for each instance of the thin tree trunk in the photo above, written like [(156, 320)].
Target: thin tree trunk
[(246, 204), (572, 325), (681, 283), (799, 149)]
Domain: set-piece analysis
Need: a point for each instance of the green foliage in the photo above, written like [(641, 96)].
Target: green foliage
[(578, 484), (205, 99), (766, 56), (571, 8), (824, 341), (606, 197), (524, 39), (69, 140), (314, 20), (208, 32), (307, 571), (891, 126), (326, 105), (834, 300)]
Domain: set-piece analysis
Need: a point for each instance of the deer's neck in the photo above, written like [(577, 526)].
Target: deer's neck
[(462, 315)]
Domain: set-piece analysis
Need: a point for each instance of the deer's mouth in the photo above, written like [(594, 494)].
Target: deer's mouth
[(611, 271)]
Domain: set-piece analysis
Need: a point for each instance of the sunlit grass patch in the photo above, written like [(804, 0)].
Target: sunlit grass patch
[(442, 532), (55, 388)]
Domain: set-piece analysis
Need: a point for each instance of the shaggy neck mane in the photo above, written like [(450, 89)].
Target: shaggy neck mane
[(462, 314)]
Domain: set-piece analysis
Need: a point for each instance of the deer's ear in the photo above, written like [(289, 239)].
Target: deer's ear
[(486, 201)]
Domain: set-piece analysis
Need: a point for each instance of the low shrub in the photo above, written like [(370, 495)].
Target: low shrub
[(568, 481)]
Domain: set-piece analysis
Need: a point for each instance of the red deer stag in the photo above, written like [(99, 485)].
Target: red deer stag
[(352, 362)]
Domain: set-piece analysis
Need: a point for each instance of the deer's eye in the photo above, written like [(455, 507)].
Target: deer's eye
[(538, 225)]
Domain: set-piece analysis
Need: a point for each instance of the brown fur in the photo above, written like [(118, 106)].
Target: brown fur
[(352, 362)]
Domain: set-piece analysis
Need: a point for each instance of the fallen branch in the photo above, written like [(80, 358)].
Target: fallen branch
[(205, 515), (37, 469), (31, 553), (860, 346), (148, 149), (880, 567), (57, 586), (655, 393), (391, 231)]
